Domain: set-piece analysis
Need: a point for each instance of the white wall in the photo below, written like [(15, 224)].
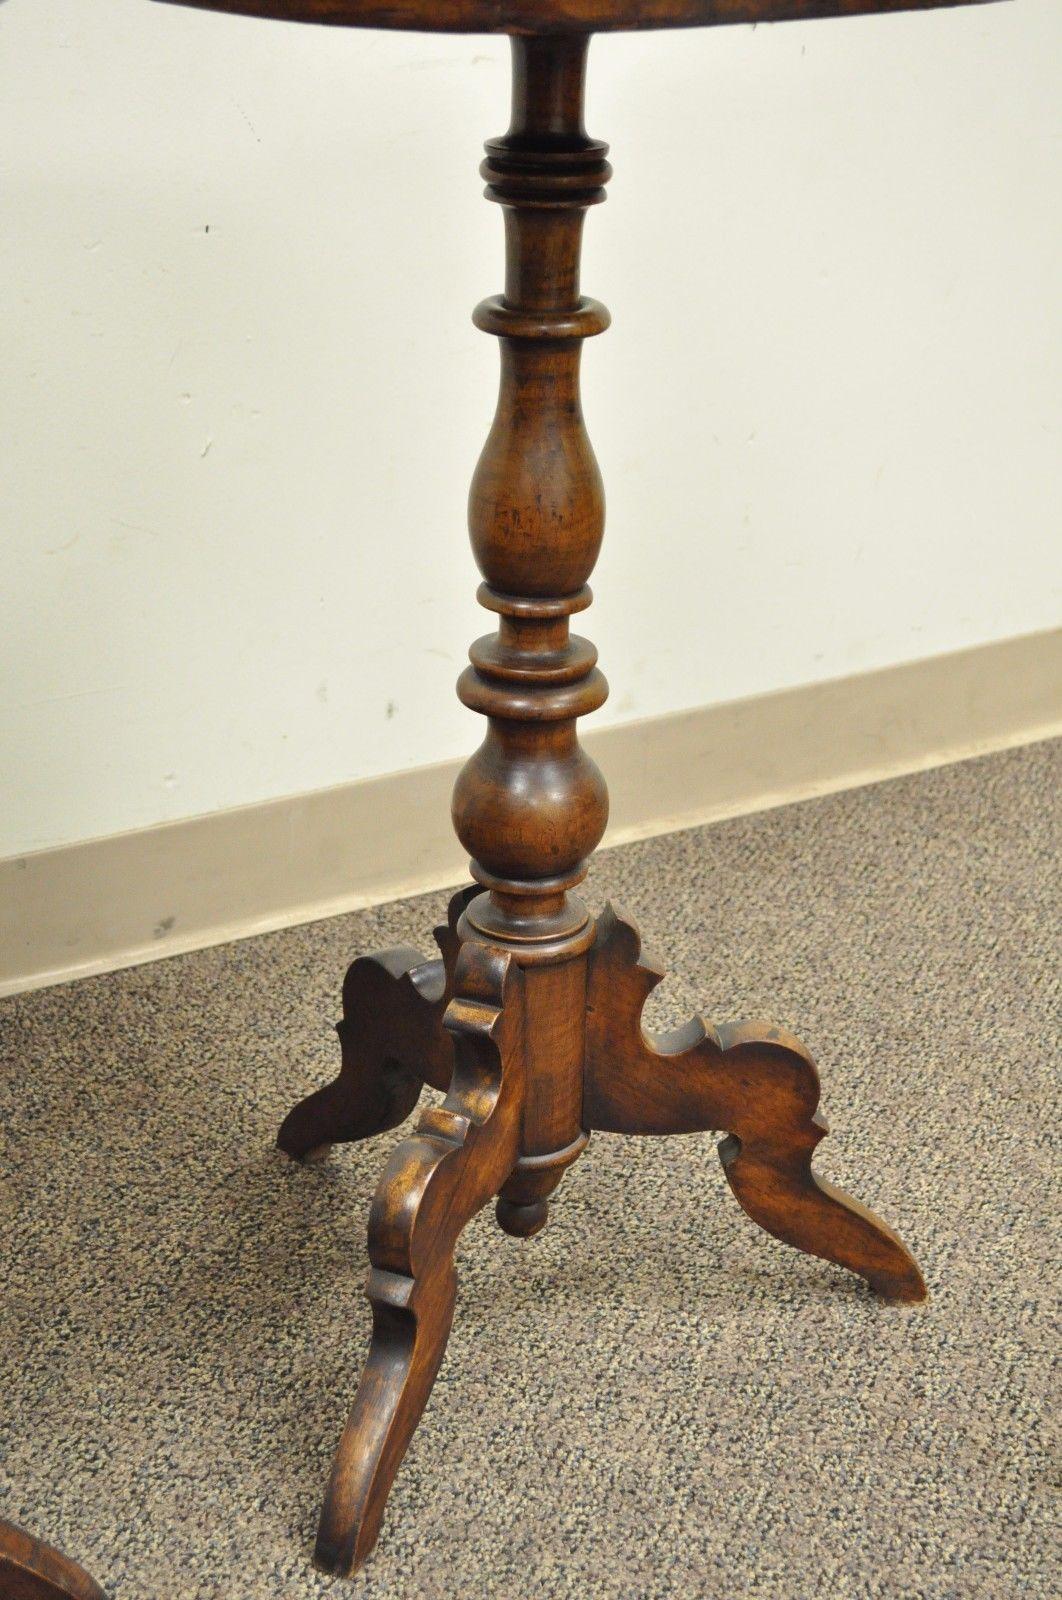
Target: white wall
[(243, 397)]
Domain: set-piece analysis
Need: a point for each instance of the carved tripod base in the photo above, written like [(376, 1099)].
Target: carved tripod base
[(536, 1053)]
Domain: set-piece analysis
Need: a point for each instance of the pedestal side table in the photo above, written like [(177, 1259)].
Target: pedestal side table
[(530, 1017)]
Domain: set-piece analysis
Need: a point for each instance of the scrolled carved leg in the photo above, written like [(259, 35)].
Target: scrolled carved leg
[(436, 1180), (392, 1040), (752, 1081)]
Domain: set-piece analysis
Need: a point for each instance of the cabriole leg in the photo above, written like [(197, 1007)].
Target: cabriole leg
[(436, 1180), (392, 1040), (755, 1083)]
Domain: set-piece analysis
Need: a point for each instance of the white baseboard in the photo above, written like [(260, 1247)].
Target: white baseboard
[(106, 903)]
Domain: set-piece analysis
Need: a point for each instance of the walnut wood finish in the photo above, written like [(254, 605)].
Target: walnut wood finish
[(532, 1016), (33, 1570), (392, 1041), (531, 1019), (555, 16), (751, 1080), (455, 1162)]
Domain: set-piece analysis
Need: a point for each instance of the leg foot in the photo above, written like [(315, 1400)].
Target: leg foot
[(436, 1180), (523, 1205), (393, 1042), (522, 1218), (754, 1082)]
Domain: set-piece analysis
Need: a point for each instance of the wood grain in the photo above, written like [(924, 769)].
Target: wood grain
[(753, 1081), (392, 1040), (33, 1570), (436, 1180), (556, 16), (530, 805), (532, 1016)]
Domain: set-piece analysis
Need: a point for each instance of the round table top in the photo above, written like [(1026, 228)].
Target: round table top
[(554, 16)]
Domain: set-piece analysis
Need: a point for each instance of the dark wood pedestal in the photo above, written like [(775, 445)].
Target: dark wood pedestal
[(529, 1018)]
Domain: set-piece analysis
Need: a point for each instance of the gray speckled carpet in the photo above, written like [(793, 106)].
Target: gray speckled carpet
[(653, 1398)]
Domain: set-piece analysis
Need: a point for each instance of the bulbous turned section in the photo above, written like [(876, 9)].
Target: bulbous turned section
[(536, 511), (530, 806), (526, 809)]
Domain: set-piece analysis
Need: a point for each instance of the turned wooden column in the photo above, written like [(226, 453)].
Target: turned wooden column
[(530, 805)]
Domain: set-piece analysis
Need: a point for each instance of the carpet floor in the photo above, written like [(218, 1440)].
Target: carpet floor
[(652, 1398)]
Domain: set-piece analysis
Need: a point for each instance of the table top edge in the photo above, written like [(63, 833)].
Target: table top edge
[(529, 17)]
